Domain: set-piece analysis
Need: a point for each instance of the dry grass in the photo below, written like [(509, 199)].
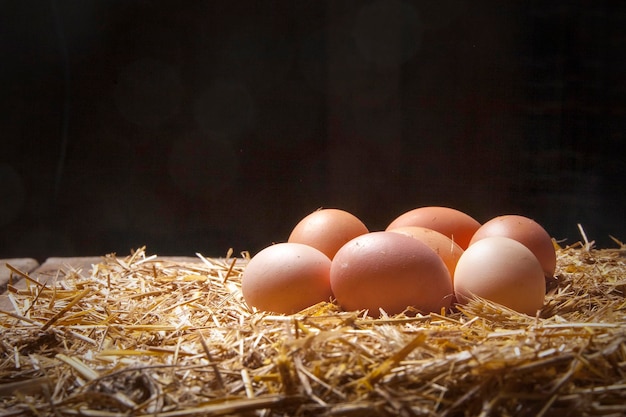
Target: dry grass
[(138, 336)]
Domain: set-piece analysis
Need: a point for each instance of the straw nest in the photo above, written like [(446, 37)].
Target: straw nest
[(139, 336)]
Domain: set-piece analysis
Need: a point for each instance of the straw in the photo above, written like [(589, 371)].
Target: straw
[(139, 336)]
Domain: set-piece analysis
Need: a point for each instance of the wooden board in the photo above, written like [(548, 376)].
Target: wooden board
[(26, 265)]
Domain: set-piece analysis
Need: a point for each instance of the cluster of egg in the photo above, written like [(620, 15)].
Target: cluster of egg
[(426, 260)]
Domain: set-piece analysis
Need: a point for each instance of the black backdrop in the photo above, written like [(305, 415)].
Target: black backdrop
[(200, 126)]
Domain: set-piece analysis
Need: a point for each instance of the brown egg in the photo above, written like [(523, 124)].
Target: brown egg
[(501, 270), (455, 224), (443, 246), (286, 278), (389, 271), (525, 231), (327, 230)]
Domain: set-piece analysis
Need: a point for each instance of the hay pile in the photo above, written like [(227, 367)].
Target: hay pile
[(138, 336)]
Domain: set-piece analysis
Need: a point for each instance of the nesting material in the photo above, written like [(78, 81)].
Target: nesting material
[(138, 336)]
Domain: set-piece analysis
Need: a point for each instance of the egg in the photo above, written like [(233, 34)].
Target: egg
[(389, 271), (501, 270), (457, 225), (327, 230), (443, 246), (526, 231), (286, 278)]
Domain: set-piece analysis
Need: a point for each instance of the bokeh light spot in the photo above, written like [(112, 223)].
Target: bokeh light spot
[(225, 109), (388, 33), (201, 168), (148, 92)]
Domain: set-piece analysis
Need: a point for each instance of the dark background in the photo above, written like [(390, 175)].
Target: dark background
[(200, 126)]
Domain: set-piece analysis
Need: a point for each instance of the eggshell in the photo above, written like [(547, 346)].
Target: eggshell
[(286, 278), (526, 231), (502, 270), (327, 230), (458, 226), (389, 271), (443, 246)]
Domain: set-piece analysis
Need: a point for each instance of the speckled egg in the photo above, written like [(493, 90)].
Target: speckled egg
[(501, 270), (443, 246), (457, 225), (526, 231), (389, 271), (327, 230), (286, 278)]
